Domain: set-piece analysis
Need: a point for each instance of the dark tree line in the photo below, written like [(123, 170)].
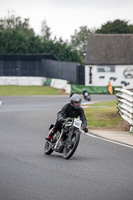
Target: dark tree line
[(16, 37)]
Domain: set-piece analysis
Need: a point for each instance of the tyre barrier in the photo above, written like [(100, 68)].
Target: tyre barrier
[(125, 105)]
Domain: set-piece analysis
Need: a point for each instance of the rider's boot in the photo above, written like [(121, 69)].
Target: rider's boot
[(50, 134)]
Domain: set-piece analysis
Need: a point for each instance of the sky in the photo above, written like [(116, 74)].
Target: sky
[(65, 16)]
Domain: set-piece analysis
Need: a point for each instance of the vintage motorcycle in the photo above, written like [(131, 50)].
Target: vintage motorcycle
[(66, 140), (86, 96)]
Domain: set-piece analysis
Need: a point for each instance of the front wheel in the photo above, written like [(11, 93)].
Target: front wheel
[(48, 148), (71, 146)]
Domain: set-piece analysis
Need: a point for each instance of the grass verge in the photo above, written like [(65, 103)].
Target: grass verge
[(28, 90), (104, 115)]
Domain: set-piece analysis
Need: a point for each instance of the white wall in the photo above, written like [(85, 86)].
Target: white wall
[(34, 81), (120, 70), (21, 80), (61, 84)]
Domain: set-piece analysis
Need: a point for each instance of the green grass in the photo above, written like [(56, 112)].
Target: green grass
[(97, 117), (28, 90), (103, 117)]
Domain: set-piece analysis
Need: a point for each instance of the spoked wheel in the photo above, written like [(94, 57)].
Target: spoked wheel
[(48, 148), (71, 146)]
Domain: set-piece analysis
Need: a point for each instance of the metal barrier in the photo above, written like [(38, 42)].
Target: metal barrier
[(125, 105)]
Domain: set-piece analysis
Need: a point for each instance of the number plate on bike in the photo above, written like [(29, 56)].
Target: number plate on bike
[(77, 123)]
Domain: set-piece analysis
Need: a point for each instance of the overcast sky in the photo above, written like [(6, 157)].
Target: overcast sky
[(64, 16)]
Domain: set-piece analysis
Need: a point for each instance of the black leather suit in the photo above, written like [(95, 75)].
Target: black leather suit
[(69, 110)]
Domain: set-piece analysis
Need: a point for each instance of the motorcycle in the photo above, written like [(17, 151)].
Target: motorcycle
[(66, 140), (86, 95)]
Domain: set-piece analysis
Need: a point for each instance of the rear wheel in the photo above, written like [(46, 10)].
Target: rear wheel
[(48, 148), (71, 146)]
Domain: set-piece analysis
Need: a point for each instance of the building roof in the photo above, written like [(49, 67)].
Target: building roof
[(109, 49)]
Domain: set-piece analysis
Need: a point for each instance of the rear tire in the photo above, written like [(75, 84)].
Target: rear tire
[(69, 151), (48, 148)]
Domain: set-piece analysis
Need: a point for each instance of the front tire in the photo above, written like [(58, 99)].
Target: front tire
[(70, 149), (48, 148)]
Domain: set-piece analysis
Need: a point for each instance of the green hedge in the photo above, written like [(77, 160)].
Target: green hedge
[(92, 89)]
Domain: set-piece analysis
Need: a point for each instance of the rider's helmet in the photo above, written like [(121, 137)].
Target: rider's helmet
[(84, 90), (75, 101)]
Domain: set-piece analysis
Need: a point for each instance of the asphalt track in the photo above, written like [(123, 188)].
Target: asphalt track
[(99, 170)]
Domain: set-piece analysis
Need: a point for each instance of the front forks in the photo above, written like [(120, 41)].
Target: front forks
[(57, 143)]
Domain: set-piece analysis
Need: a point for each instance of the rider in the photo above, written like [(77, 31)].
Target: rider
[(72, 110), (86, 95)]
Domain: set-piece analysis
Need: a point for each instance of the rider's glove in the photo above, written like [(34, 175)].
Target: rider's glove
[(85, 129)]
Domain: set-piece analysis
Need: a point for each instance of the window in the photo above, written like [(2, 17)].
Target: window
[(106, 68)]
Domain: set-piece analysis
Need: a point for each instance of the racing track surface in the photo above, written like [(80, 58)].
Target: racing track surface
[(99, 170)]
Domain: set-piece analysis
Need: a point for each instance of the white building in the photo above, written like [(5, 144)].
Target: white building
[(109, 57)]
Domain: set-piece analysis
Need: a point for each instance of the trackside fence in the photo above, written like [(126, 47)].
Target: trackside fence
[(125, 105)]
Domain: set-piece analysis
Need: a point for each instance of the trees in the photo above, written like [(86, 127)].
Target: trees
[(45, 31), (13, 22), (116, 27), (79, 39), (14, 41), (16, 36), (63, 50)]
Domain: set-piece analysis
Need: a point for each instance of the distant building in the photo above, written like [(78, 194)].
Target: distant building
[(109, 57)]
